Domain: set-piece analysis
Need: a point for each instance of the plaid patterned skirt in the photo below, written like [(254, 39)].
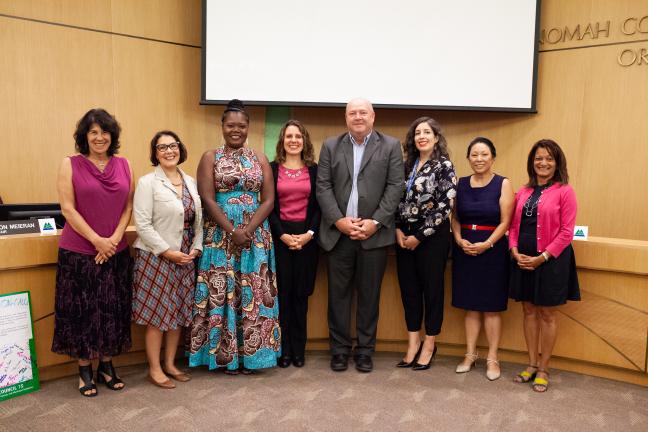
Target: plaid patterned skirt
[(162, 290)]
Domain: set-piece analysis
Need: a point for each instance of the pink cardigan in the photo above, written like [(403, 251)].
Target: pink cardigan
[(556, 218)]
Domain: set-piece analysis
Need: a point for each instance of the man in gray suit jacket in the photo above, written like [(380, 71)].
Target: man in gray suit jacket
[(360, 180)]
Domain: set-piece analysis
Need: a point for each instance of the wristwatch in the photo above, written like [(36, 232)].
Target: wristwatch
[(376, 222)]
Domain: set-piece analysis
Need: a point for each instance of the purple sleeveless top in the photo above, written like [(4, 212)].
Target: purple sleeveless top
[(100, 197)]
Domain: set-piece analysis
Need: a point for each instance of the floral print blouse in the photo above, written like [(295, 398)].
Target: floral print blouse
[(428, 202)]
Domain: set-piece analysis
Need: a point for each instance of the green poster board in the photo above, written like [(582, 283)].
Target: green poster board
[(18, 369)]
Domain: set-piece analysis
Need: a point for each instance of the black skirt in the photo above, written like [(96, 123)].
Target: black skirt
[(92, 310), (551, 284)]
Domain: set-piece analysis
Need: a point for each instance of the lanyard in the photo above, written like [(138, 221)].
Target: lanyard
[(412, 176)]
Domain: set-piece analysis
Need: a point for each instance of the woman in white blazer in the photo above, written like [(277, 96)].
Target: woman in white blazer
[(168, 219)]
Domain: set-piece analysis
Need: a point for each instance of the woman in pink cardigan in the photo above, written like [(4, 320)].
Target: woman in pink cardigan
[(543, 274)]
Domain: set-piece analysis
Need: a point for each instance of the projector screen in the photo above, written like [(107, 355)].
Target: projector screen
[(459, 54)]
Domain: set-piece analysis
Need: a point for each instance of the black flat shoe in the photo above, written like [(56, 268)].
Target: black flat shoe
[(418, 366), (363, 363), (85, 373), (339, 362), (404, 364), (107, 374), (284, 361), (298, 361)]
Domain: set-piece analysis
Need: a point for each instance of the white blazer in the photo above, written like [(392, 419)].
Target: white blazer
[(159, 214)]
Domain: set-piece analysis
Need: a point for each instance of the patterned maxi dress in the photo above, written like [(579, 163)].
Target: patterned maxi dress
[(235, 314)]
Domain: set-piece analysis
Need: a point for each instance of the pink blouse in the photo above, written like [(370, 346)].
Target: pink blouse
[(100, 198), (556, 218), (293, 190)]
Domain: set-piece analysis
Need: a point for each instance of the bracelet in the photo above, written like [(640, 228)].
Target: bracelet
[(489, 242), (545, 255)]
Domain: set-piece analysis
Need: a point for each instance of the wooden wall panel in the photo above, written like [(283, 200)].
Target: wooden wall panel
[(169, 20), (626, 289), (51, 75), (39, 281), (157, 87), (561, 14), (93, 14)]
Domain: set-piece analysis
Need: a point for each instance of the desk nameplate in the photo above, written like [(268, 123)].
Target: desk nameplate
[(28, 226)]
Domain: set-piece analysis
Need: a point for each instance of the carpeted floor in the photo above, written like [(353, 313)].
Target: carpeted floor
[(316, 399)]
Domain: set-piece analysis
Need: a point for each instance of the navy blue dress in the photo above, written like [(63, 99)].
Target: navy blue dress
[(480, 283)]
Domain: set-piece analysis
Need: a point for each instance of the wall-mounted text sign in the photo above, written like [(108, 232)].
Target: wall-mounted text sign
[(630, 26)]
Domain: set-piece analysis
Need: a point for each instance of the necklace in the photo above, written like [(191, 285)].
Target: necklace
[(529, 206), (98, 163), (291, 173), (176, 184)]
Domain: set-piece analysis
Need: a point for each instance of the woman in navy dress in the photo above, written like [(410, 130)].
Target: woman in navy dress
[(480, 268)]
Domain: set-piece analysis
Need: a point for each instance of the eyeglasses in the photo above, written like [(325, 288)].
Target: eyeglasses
[(164, 147)]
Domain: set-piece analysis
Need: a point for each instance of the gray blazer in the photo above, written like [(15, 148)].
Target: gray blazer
[(159, 214), (380, 186)]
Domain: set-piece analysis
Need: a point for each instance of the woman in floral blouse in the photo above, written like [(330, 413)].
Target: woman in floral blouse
[(423, 236)]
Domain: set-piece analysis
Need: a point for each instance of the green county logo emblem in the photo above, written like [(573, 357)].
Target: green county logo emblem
[(580, 233), (47, 226)]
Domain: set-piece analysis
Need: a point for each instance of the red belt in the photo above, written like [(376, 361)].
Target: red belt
[(479, 227)]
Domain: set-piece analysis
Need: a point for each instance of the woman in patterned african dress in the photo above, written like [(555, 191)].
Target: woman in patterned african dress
[(235, 316)]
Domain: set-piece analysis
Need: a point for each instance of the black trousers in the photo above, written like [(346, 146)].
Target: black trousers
[(351, 266), (296, 271), (421, 280)]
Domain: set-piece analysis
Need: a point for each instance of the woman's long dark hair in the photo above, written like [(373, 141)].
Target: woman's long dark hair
[(560, 175), (409, 147)]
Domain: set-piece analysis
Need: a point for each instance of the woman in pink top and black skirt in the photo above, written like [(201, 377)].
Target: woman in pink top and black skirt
[(543, 274), (93, 280), (294, 223)]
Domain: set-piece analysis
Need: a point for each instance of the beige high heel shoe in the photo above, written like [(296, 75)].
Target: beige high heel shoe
[(462, 367), (491, 374)]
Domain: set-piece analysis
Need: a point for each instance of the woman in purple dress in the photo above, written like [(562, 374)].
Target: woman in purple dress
[(93, 278), (480, 256)]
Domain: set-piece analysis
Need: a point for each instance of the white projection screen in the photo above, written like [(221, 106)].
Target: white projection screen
[(440, 54)]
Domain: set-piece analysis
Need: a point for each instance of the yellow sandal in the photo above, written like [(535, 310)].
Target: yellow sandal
[(525, 376), (540, 385)]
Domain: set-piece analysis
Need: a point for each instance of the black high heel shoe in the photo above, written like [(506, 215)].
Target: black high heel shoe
[(106, 370), (404, 364), (284, 361), (418, 366), (85, 373), (298, 361)]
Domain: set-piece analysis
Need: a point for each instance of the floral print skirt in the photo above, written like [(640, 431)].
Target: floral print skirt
[(92, 309)]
